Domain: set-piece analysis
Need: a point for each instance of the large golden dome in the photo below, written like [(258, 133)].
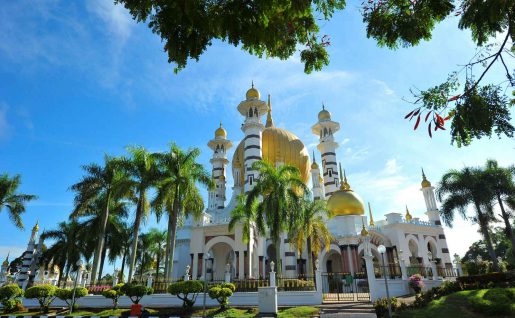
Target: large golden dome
[(345, 201), (279, 145)]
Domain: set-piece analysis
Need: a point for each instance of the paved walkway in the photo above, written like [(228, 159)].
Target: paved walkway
[(348, 310)]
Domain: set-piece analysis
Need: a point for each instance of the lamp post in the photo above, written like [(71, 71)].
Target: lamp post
[(381, 249), (79, 271), (207, 256)]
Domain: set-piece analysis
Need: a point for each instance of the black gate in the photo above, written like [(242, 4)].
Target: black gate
[(342, 287)]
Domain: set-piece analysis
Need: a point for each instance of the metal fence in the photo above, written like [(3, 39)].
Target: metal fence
[(426, 272), (447, 272), (338, 287), (393, 270)]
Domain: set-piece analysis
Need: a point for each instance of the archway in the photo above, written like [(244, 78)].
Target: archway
[(413, 248), (221, 255)]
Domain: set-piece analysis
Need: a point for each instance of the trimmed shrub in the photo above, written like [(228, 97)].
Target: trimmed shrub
[(187, 291), (10, 298), (45, 294), (66, 294), (136, 292), (503, 279), (381, 306), (114, 294), (222, 293), (415, 282)]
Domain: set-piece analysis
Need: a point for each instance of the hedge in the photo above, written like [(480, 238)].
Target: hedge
[(45, 294), (504, 279), (10, 298)]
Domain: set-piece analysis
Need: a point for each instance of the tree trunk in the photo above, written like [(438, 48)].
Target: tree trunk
[(139, 211), (102, 259), (310, 257), (158, 261), (483, 226), (100, 243), (277, 243), (508, 229), (168, 246), (123, 265), (173, 231)]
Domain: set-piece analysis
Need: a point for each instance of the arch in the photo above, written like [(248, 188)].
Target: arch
[(431, 245), (414, 251), (222, 259), (219, 239), (334, 256)]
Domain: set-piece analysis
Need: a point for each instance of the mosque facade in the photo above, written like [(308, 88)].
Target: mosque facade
[(209, 242)]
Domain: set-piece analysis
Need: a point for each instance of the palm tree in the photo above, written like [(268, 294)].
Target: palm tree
[(13, 201), (311, 230), (501, 183), (276, 200), (158, 242), (458, 190), (143, 173), (178, 193), (67, 248), (107, 181), (91, 227)]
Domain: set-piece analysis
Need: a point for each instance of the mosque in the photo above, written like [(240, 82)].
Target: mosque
[(209, 241)]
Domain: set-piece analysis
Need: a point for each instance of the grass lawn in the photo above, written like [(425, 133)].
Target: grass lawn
[(233, 312), (455, 306)]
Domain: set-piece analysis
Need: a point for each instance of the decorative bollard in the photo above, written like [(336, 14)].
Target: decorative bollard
[(187, 273), (268, 296), (150, 280), (227, 273)]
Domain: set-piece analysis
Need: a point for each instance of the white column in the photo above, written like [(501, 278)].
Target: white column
[(241, 265), (194, 272), (349, 260), (371, 277)]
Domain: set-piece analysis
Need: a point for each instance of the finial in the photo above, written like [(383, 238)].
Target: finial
[(269, 119), (220, 124), (408, 215), (323, 106), (314, 158), (370, 213), (252, 83), (364, 231), (423, 174), (341, 174)]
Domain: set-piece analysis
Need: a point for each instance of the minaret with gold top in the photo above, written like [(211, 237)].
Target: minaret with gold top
[(318, 190), (324, 129), (429, 197), (220, 144), (252, 108), (28, 259)]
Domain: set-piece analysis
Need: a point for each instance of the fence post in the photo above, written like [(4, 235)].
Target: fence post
[(187, 273), (115, 277), (434, 270), (88, 277), (272, 274), (371, 276), (228, 273), (150, 280)]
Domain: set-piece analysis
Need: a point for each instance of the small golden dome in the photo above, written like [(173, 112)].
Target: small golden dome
[(253, 93), (324, 114), (36, 227), (6, 262), (345, 201), (408, 216), (314, 165), (220, 132), (364, 231), (425, 183)]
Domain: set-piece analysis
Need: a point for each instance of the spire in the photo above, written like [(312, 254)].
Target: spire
[(370, 213), (344, 185), (269, 119), (425, 183), (364, 231), (314, 158), (252, 84), (408, 216), (323, 106), (6, 262)]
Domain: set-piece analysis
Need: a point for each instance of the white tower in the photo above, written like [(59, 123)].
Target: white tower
[(28, 259), (429, 197), (220, 144), (252, 109), (325, 128), (318, 190)]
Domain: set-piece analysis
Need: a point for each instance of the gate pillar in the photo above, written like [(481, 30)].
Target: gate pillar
[(371, 276)]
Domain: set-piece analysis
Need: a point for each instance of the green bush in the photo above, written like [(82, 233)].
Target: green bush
[(10, 298), (187, 291), (136, 292), (222, 293), (114, 294), (494, 302), (66, 294), (381, 306), (503, 279), (45, 294)]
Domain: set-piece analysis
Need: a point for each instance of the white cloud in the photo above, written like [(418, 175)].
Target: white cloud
[(116, 17)]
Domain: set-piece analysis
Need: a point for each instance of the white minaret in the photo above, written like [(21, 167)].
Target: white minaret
[(252, 109), (28, 258), (220, 144), (318, 190), (325, 128), (429, 197)]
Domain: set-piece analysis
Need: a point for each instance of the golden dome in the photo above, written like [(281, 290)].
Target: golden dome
[(314, 165), (408, 215), (345, 201), (364, 231), (36, 227), (324, 114), (252, 93), (279, 141), (220, 132), (425, 183)]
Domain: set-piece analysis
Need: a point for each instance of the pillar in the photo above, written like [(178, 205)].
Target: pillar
[(371, 277), (194, 272), (241, 265)]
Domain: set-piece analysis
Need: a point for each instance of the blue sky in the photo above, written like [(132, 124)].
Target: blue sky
[(81, 79)]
